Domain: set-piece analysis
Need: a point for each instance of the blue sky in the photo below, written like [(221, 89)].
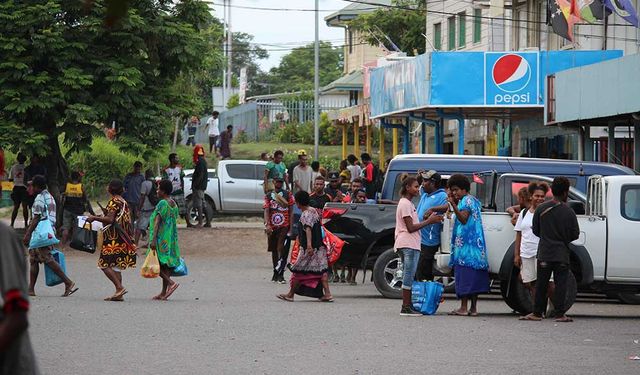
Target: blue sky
[(281, 30)]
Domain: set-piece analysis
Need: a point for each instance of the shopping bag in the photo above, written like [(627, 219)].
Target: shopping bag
[(43, 235), (51, 278), (426, 296), (333, 244), (84, 239), (151, 266), (181, 269)]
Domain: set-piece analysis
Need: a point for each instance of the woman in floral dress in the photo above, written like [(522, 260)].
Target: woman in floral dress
[(468, 246), (118, 251), (163, 238), (309, 272)]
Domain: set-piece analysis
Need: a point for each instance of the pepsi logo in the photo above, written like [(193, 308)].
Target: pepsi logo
[(511, 73)]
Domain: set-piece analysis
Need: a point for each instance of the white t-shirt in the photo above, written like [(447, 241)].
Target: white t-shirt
[(17, 175), (529, 241), (355, 171), (303, 177), (214, 130), (173, 175)]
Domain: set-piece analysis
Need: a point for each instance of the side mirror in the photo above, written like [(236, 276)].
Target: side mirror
[(577, 207)]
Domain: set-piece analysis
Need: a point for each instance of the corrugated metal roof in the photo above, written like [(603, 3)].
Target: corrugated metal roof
[(353, 10)]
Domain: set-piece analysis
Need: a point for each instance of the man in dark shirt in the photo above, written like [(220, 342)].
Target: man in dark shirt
[(557, 225), (319, 197), (335, 189), (199, 181)]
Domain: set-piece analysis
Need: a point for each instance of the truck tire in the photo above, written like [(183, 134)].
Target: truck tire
[(387, 274), (519, 298), (190, 217), (629, 298)]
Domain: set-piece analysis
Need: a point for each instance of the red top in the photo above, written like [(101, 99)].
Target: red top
[(278, 215), (368, 172)]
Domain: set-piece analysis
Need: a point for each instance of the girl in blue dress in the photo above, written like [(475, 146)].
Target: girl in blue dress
[(468, 246)]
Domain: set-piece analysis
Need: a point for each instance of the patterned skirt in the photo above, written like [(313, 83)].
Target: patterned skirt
[(116, 253), (316, 263)]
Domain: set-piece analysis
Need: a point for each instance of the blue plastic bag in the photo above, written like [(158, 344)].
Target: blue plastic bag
[(181, 269), (426, 296), (51, 278)]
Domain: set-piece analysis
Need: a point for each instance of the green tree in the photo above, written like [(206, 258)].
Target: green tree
[(66, 76), (233, 101), (296, 69), (403, 24)]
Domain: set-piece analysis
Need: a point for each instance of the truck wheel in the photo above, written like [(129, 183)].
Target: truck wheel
[(519, 298), (629, 298), (387, 274), (192, 218)]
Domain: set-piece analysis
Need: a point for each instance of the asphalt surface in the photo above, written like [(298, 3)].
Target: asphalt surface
[(225, 319)]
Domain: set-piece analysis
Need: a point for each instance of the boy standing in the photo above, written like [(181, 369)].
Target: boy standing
[(278, 221)]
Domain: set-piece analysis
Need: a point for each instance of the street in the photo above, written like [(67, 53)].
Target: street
[(225, 319)]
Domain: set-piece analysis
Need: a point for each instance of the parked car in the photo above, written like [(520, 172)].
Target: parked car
[(235, 187), (369, 229)]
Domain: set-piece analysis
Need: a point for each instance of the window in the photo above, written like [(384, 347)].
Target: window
[(630, 204), (462, 29), (477, 25), (242, 171), (437, 36), (451, 29)]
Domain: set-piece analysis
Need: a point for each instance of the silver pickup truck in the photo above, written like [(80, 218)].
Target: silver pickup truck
[(235, 187)]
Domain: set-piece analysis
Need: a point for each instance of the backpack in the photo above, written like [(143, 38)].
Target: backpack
[(153, 194)]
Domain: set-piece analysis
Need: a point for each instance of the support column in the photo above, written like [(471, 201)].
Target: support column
[(611, 143), (407, 137), (636, 146), (345, 141), (394, 138), (581, 143), (381, 141), (356, 139), (369, 137), (588, 144), (423, 146)]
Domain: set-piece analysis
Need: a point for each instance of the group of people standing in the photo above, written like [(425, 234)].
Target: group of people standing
[(543, 232), (219, 142)]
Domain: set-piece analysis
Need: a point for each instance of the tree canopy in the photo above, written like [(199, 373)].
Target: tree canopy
[(403, 24), (66, 75), (296, 69)]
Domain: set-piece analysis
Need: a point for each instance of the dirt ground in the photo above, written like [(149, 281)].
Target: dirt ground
[(221, 242)]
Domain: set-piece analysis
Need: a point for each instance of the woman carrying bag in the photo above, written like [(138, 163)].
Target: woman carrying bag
[(40, 237), (118, 251), (163, 238)]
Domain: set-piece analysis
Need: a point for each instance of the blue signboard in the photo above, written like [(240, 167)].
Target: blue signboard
[(501, 79)]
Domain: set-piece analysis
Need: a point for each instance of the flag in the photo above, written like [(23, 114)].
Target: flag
[(624, 9), (592, 10), (557, 20)]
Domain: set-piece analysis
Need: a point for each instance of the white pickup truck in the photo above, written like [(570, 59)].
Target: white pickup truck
[(605, 258), (235, 187)]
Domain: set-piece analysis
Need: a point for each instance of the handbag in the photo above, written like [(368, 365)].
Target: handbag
[(151, 266), (84, 239), (43, 235), (181, 269), (426, 296), (51, 278), (334, 246)]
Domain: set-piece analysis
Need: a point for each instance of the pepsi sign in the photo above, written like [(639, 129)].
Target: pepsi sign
[(511, 79)]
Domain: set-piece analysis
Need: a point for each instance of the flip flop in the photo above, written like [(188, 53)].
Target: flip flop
[(563, 319), (330, 299), (457, 313), (117, 299), (158, 297), (530, 317), (72, 289), (473, 313), (170, 291), (284, 297)]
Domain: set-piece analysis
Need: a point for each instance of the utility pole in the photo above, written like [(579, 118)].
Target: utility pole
[(230, 52), (224, 51), (316, 93)]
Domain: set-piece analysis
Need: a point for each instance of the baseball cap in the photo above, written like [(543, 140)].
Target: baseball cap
[(431, 175), (302, 152), (334, 176)]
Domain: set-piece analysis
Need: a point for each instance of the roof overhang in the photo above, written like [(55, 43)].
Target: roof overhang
[(350, 82)]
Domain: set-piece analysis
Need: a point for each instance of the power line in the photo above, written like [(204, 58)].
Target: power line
[(280, 9)]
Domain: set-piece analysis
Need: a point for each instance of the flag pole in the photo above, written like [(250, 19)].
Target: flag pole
[(604, 28), (316, 84)]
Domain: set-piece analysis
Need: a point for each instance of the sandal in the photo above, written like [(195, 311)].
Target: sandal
[(170, 291), (70, 290), (118, 296), (158, 297), (531, 317), (563, 319), (458, 313), (325, 299), (284, 297)]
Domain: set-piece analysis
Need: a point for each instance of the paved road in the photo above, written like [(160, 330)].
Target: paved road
[(224, 319)]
